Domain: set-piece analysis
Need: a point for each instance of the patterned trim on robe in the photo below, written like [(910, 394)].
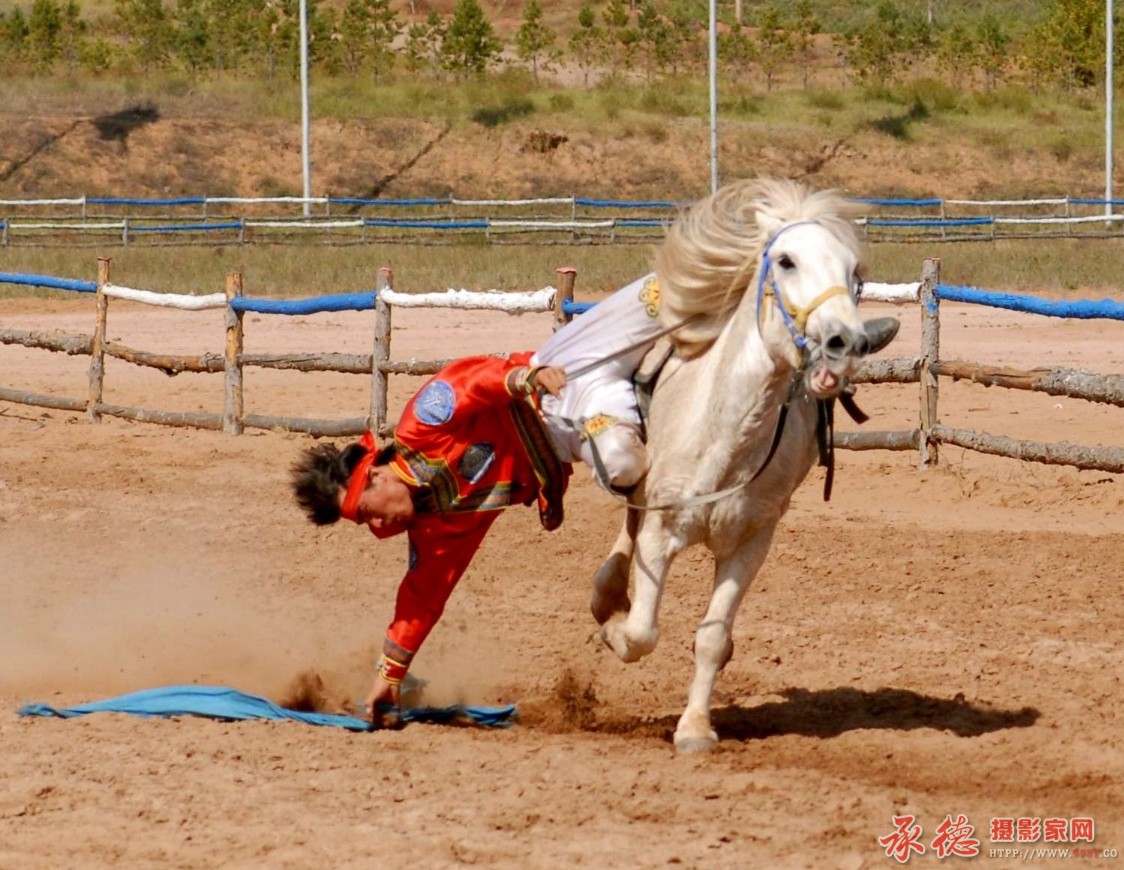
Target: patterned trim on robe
[(549, 469)]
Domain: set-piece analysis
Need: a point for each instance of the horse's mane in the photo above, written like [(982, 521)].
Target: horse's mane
[(710, 254)]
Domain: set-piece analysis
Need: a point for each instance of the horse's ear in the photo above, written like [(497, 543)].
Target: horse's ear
[(768, 224)]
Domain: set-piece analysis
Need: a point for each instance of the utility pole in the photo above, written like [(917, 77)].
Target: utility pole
[(306, 161), (1109, 74), (713, 51)]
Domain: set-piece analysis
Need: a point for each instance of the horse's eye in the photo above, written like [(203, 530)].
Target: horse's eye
[(785, 262)]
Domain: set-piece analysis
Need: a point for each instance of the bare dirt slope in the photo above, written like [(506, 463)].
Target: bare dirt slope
[(928, 644), (183, 151)]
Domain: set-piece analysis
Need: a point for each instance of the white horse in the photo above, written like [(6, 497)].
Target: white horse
[(768, 274)]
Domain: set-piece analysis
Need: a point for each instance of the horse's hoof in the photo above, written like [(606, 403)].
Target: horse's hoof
[(628, 649), (694, 745), (694, 734)]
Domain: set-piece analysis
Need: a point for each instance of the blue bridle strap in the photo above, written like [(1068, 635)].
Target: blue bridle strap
[(766, 273)]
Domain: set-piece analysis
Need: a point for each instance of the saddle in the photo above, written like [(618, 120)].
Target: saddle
[(645, 377)]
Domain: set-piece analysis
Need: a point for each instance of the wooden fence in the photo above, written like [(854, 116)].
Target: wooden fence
[(924, 369), (232, 362), (927, 368)]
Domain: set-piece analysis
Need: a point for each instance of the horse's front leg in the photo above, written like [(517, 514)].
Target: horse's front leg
[(610, 584), (633, 634), (714, 643)]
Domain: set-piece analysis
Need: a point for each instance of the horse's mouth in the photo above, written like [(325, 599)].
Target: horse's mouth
[(823, 383)]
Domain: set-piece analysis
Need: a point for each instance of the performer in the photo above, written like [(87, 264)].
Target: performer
[(470, 443), (482, 434)]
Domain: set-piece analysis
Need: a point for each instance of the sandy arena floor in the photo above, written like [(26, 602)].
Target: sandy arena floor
[(927, 644)]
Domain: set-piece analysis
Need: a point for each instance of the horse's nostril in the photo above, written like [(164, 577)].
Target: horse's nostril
[(835, 347)]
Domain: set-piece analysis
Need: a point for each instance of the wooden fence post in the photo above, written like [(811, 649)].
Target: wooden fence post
[(380, 378), (566, 277), (233, 399), (930, 353), (97, 345)]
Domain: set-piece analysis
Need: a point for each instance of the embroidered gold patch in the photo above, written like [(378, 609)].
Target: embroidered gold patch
[(597, 424), (650, 296)]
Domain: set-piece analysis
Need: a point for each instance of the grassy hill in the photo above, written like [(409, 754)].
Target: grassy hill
[(169, 131)]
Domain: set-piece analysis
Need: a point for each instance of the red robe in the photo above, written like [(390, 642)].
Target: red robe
[(472, 443)]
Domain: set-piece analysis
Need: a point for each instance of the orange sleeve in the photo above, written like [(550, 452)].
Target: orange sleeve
[(441, 549), (483, 381)]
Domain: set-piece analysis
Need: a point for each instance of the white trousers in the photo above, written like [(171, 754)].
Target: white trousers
[(600, 405)]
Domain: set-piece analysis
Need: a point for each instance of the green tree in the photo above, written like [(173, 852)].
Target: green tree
[(804, 29), (422, 48), (737, 52), (586, 41), (1067, 46), (95, 55), (193, 35), (653, 35), (249, 36), (284, 38), (245, 34), (956, 54), (621, 38), (470, 43), (685, 50), (73, 33), (148, 30), (877, 49), (324, 49), (994, 44), (366, 31), (775, 46), (13, 39), (534, 40), (44, 24)]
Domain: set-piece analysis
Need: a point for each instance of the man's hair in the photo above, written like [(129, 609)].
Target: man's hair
[(319, 474)]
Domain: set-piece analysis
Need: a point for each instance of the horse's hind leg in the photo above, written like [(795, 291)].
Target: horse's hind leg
[(714, 644), (634, 635)]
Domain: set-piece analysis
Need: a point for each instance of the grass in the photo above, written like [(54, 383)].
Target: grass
[(1012, 122), (299, 270), (1064, 267)]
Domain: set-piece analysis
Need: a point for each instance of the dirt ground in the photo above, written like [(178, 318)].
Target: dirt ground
[(930, 644)]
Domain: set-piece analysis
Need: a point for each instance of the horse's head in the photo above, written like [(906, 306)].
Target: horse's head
[(780, 249), (807, 287)]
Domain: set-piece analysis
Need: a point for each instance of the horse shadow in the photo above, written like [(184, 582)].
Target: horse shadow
[(830, 712), (116, 126)]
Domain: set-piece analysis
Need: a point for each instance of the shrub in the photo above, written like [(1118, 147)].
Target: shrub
[(822, 99), (493, 116)]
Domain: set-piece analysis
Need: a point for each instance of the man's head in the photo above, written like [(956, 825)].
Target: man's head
[(357, 483)]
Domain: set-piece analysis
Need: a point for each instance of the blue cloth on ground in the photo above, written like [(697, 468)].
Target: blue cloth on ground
[(220, 702)]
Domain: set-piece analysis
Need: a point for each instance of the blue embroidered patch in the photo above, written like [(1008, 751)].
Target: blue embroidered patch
[(476, 460), (435, 403)]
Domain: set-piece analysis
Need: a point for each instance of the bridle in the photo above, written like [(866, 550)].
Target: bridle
[(796, 321), (795, 317)]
